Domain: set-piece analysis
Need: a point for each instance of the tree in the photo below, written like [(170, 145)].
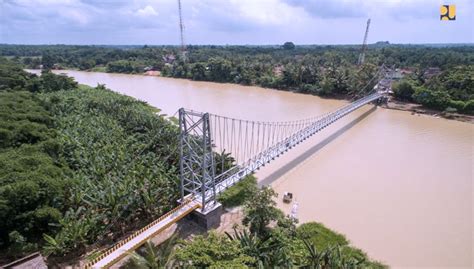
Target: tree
[(432, 99), (289, 46), (154, 257), (330, 258), (220, 69), (198, 72), (51, 82), (252, 245), (403, 90), (260, 210), (47, 61)]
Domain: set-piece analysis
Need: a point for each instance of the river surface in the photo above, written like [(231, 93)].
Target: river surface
[(399, 186)]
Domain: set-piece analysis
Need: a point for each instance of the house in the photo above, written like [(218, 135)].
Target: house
[(169, 58)]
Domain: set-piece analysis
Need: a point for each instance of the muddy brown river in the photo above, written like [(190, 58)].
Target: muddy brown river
[(399, 186)]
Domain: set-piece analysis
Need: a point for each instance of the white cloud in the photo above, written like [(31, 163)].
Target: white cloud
[(147, 11), (230, 21)]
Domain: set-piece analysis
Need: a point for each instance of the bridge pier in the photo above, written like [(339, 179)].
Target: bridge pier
[(211, 218)]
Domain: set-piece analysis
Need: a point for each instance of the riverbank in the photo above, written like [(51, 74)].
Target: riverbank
[(417, 109)]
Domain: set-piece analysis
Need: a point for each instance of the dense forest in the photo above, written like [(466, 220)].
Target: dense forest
[(78, 165), (438, 77)]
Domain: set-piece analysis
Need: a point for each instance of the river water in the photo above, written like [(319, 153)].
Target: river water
[(399, 186)]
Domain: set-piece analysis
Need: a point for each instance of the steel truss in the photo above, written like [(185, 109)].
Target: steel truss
[(196, 157)]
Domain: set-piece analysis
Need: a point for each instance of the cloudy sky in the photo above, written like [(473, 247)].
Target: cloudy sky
[(232, 21)]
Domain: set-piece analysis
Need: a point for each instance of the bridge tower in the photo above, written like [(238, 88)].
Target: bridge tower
[(364, 45), (197, 168)]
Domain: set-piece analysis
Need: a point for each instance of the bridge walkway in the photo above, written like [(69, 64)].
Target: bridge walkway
[(138, 238)]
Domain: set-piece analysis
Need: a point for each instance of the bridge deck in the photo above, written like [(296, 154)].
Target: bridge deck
[(124, 247), (288, 143)]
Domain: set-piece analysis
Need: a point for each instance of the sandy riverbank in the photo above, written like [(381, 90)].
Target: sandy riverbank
[(417, 109)]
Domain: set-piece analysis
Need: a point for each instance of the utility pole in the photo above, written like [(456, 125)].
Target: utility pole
[(181, 28), (364, 45)]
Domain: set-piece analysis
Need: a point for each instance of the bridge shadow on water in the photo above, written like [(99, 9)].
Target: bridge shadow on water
[(308, 153)]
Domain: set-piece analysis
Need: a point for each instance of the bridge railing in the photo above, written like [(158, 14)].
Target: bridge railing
[(239, 172), (119, 244)]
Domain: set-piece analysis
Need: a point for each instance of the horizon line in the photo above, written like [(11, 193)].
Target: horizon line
[(255, 45)]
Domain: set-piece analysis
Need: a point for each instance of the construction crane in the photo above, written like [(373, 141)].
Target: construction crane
[(181, 28), (364, 45)]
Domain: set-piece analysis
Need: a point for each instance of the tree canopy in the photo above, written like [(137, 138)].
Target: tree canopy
[(79, 165)]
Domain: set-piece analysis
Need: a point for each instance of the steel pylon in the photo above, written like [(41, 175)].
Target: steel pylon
[(196, 157)]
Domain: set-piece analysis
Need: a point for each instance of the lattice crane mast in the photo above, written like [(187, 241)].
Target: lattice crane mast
[(181, 28), (364, 45)]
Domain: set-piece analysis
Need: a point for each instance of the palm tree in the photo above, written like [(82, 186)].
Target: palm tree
[(224, 161), (154, 257), (263, 249), (330, 258)]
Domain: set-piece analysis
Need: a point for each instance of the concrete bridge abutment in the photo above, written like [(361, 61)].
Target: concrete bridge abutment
[(209, 218)]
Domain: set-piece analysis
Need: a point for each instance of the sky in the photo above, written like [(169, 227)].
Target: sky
[(239, 22)]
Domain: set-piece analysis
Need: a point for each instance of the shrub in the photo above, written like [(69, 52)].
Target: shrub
[(321, 236), (458, 105), (469, 107), (239, 193)]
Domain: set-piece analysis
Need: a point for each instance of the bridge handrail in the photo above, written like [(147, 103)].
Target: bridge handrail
[(302, 134), (136, 233)]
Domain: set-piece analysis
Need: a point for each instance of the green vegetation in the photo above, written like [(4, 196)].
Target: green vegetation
[(152, 257), (325, 239), (124, 173), (261, 244), (320, 236), (79, 165), (452, 90), (260, 210), (321, 70), (33, 175), (239, 193), (214, 251)]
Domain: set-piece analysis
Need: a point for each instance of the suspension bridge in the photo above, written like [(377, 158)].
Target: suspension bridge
[(216, 152)]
